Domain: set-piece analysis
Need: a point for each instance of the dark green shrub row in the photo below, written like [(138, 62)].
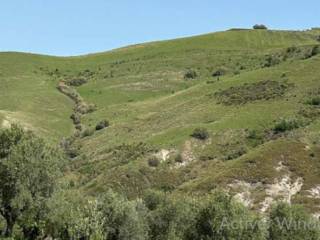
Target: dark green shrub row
[(263, 90), (76, 82)]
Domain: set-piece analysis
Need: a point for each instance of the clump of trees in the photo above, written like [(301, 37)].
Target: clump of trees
[(35, 205), (260, 26)]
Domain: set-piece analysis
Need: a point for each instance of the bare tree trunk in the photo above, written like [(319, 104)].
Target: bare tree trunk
[(10, 221)]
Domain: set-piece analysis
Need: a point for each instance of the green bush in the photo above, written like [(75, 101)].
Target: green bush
[(200, 133), (76, 118), (315, 101), (219, 72), (271, 61), (102, 124), (190, 74), (286, 125)]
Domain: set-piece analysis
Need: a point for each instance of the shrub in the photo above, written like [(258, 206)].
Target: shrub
[(271, 61), (76, 82), (200, 133), (286, 125), (259, 26), (76, 118), (84, 108), (219, 72), (315, 101), (153, 198), (102, 124), (190, 74), (153, 162)]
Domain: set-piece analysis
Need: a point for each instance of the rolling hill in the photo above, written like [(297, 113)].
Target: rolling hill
[(237, 110)]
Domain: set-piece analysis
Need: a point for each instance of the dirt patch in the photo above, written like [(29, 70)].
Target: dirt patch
[(244, 192), (15, 118), (163, 155), (187, 154), (314, 192), (5, 124), (283, 190)]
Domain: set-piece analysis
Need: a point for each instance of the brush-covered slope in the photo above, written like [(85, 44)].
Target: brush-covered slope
[(254, 95)]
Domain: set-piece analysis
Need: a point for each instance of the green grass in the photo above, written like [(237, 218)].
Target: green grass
[(142, 92)]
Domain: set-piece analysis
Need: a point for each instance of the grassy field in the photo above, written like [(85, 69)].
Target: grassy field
[(153, 107)]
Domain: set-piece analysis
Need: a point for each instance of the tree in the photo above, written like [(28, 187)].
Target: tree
[(221, 217), (28, 171), (124, 219), (169, 217), (259, 26), (110, 216), (292, 223)]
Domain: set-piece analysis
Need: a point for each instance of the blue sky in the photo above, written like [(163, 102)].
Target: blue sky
[(73, 27)]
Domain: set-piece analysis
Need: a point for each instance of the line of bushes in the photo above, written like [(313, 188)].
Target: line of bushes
[(263, 90)]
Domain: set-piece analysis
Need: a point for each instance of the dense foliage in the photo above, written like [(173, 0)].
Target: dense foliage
[(35, 204)]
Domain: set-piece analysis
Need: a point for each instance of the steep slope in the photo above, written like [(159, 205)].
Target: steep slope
[(237, 85)]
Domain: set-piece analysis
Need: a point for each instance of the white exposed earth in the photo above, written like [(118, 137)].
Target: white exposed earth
[(282, 189)]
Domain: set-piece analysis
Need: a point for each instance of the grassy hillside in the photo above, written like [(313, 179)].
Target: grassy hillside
[(254, 93)]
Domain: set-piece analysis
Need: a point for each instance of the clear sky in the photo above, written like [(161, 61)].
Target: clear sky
[(73, 27)]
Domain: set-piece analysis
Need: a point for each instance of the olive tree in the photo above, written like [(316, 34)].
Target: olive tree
[(29, 168), (292, 223)]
